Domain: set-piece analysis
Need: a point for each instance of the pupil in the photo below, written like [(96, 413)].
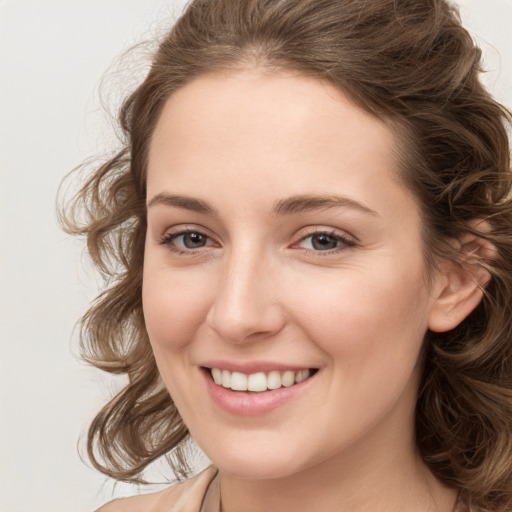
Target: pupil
[(324, 242), (193, 240)]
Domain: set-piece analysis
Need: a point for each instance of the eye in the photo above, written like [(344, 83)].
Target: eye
[(185, 241), (191, 240), (324, 241)]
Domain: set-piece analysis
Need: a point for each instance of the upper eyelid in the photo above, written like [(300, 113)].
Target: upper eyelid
[(168, 240), (348, 242), (173, 232), (299, 235), (327, 230), (171, 235), (187, 228)]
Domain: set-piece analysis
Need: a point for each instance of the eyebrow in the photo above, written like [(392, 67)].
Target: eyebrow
[(185, 202), (289, 206), (305, 203)]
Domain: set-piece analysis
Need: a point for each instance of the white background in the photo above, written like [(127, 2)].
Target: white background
[(53, 55)]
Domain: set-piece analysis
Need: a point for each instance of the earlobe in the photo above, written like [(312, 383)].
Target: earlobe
[(461, 284)]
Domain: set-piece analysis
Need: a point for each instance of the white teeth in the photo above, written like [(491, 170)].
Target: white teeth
[(226, 379), (301, 375), (217, 376), (274, 380), (238, 381), (288, 378), (258, 382)]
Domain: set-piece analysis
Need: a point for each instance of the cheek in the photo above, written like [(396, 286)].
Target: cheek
[(371, 330), (367, 318), (174, 306)]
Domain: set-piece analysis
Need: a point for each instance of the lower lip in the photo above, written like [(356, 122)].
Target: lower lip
[(247, 403)]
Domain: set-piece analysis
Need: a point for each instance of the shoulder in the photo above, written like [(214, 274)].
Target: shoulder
[(185, 496), (134, 503)]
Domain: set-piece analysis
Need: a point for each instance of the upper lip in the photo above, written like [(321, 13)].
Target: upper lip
[(249, 367)]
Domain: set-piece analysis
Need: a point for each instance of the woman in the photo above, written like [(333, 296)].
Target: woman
[(307, 241)]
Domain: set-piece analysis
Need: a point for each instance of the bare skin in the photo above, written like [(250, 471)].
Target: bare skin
[(241, 269)]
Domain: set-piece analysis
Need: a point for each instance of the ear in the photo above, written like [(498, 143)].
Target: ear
[(460, 284)]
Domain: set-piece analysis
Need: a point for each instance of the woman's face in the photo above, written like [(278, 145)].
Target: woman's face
[(280, 239)]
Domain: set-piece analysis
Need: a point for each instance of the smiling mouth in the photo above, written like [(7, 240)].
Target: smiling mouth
[(260, 381)]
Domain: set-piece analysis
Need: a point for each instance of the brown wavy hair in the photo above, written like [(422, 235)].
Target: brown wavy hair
[(407, 61)]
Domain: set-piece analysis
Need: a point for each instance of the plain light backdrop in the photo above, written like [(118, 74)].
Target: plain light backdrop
[(53, 55)]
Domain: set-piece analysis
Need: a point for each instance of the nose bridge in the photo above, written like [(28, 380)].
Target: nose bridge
[(245, 304)]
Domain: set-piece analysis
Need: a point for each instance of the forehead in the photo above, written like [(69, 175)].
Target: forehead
[(250, 130), (266, 108)]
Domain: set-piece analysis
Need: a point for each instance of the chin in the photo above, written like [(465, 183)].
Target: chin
[(259, 462)]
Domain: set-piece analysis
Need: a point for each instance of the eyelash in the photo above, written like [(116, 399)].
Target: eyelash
[(345, 243), (169, 238)]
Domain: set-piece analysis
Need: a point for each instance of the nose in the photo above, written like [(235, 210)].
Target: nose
[(247, 304)]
